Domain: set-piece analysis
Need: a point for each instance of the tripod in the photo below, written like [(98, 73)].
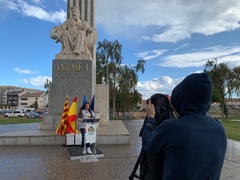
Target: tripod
[(142, 159)]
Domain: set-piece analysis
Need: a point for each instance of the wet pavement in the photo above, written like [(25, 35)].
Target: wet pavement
[(231, 165), (53, 162)]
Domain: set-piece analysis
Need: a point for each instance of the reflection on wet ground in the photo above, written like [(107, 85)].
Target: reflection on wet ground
[(233, 150), (232, 161), (52, 162)]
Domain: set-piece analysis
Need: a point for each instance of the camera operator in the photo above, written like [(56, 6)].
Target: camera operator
[(194, 144), (151, 165)]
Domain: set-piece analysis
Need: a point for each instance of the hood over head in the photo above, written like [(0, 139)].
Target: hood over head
[(193, 94)]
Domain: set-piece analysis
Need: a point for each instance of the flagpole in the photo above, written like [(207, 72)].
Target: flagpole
[(75, 122), (76, 114)]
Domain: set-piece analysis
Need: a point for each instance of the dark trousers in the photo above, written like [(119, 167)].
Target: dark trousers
[(83, 136)]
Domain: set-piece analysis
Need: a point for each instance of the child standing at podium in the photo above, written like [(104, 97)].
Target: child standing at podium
[(85, 112)]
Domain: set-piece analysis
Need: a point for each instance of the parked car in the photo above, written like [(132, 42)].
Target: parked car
[(14, 114), (32, 115), (4, 111), (41, 114)]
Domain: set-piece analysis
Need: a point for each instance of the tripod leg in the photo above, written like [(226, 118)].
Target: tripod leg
[(133, 174), (140, 159)]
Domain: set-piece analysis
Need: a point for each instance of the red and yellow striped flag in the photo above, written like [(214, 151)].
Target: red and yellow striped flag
[(62, 126), (72, 117)]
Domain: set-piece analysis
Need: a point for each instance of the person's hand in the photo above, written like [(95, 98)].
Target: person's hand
[(150, 110)]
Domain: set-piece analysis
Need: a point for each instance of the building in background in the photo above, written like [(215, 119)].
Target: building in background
[(11, 96), (4, 90), (28, 99)]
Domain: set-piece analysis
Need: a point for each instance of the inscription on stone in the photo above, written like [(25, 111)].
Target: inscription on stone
[(72, 67)]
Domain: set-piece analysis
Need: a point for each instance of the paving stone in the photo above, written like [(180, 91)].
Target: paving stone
[(52, 162)]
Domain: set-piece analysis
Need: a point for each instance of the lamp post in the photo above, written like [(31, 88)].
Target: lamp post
[(106, 82)]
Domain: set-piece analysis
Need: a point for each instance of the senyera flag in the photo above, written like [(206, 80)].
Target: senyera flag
[(72, 117), (62, 126)]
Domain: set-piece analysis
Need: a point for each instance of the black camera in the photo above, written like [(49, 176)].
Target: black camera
[(162, 109)]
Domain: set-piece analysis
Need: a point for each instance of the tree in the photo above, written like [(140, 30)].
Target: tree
[(47, 85), (225, 81), (121, 79), (236, 80), (109, 54), (34, 105), (127, 94)]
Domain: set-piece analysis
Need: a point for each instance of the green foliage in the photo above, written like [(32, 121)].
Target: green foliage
[(34, 105), (47, 85), (122, 80), (216, 95), (236, 78), (225, 81), (109, 55)]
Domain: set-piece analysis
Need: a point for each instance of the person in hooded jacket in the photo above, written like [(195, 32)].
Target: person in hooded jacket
[(194, 144)]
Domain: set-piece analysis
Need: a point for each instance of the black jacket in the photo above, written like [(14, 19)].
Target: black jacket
[(193, 145)]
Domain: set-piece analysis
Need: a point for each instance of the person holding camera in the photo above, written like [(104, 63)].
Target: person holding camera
[(193, 145)]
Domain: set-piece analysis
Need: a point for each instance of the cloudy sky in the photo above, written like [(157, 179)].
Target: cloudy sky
[(176, 38)]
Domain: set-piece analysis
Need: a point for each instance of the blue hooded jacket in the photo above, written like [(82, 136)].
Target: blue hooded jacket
[(193, 145)]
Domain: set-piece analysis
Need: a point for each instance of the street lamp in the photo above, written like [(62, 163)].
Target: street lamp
[(106, 82)]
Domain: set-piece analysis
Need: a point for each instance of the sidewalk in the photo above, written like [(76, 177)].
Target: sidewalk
[(52, 162), (232, 161)]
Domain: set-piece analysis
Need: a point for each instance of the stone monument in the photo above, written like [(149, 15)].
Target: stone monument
[(74, 68)]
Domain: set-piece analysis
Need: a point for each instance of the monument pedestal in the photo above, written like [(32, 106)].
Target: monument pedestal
[(50, 122), (70, 77)]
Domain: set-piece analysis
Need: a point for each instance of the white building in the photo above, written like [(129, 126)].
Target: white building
[(26, 99)]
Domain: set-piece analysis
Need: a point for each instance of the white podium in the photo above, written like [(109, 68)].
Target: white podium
[(91, 125)]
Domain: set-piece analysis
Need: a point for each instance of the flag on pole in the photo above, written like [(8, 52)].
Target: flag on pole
[(62, 126), (84, 100), (92, 103), (72, 117)]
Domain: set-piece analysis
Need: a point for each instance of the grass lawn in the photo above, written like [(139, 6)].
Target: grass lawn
[(232, 129), (18, 120)]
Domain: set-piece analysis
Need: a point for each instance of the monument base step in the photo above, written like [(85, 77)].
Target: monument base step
[(29, 134)]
